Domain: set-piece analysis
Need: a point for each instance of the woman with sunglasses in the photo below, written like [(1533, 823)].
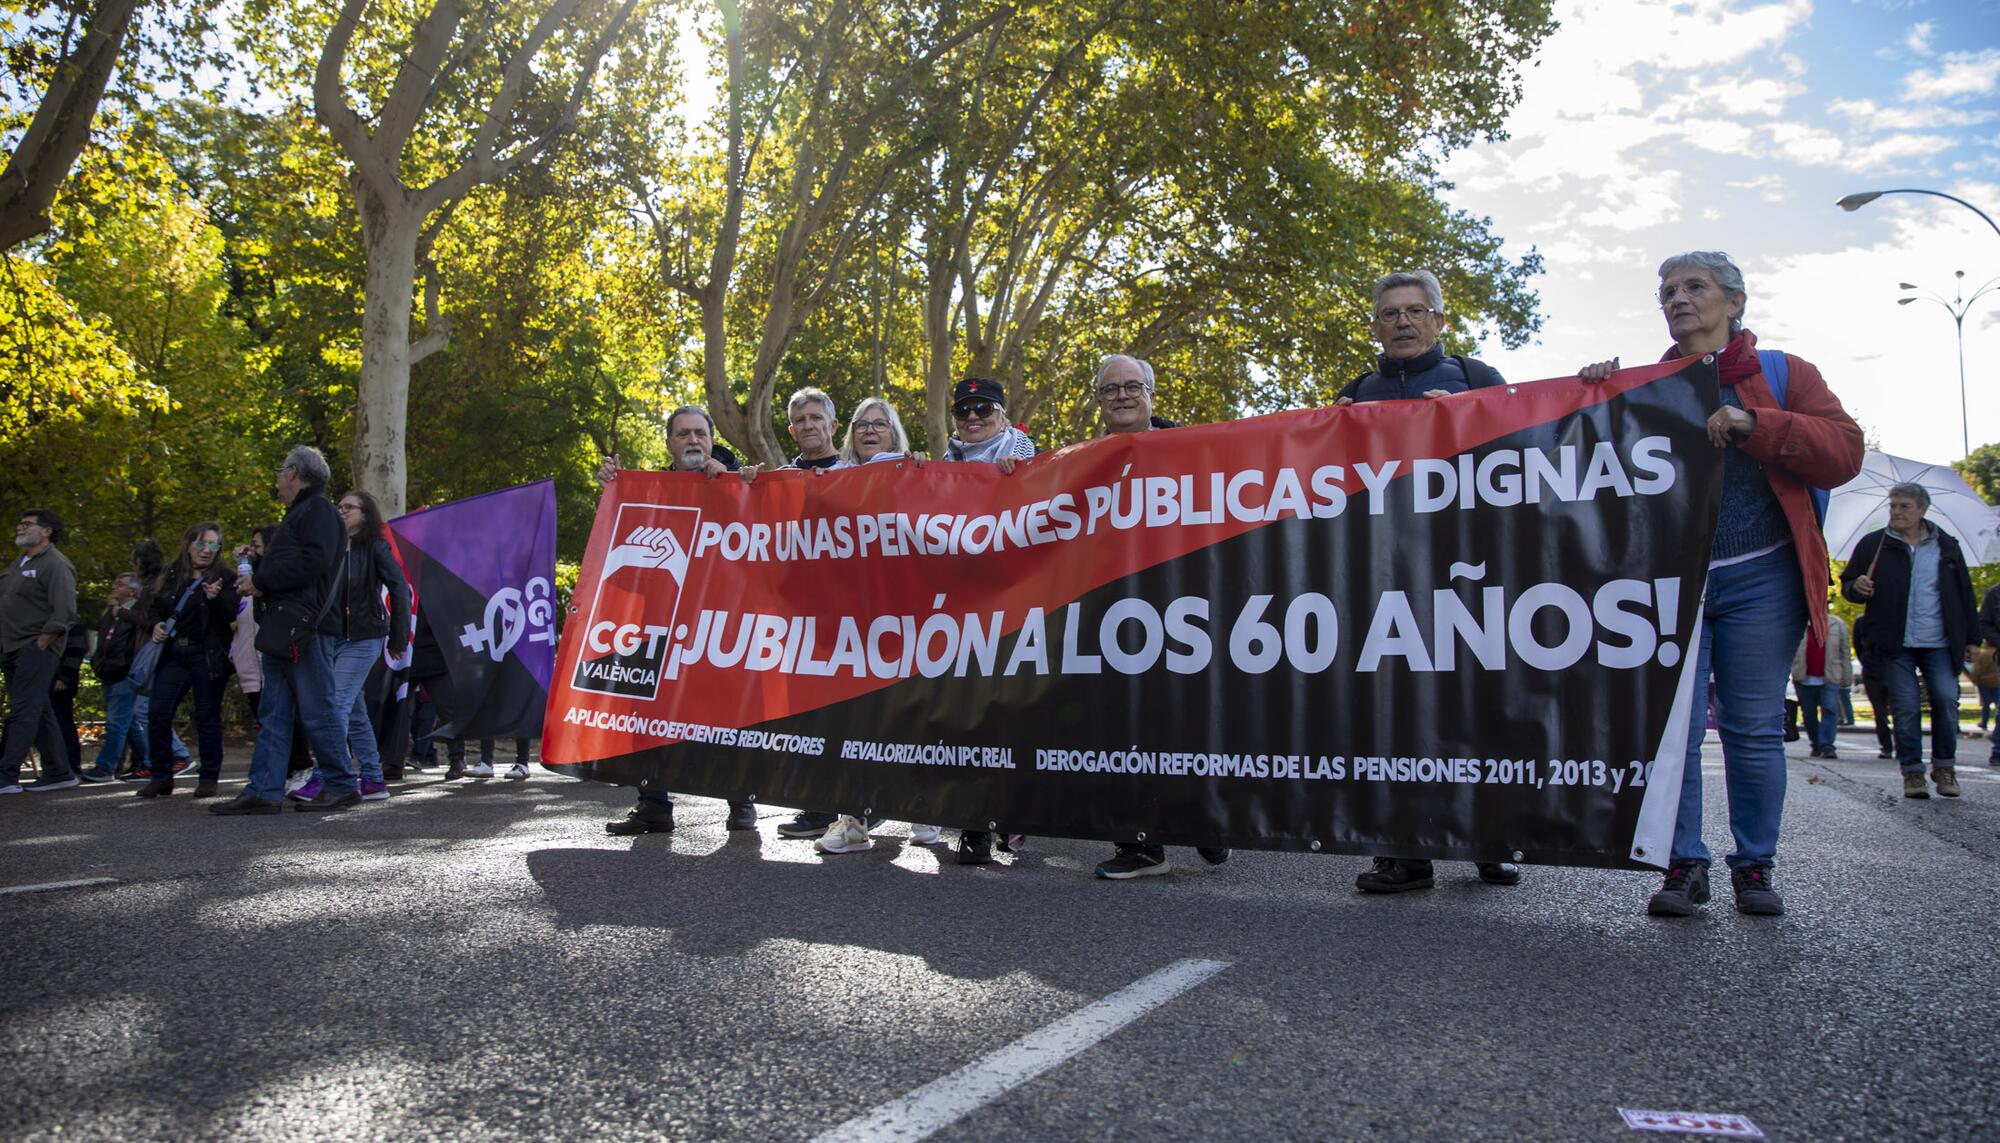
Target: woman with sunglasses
[(191, 605), (979, 410), (875, 434)]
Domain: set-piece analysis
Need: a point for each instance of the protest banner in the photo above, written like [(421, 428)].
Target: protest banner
[(483, 570), (1459, 628)]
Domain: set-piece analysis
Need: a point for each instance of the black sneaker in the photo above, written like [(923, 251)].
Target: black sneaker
[(455, 771), (975, 847), (1686, 886), (642, 819), (1395, 875), (1133, 861), (742, 815), (328, 802), (1212, 855), (806, 823), (1499, 873), (1754, 894)]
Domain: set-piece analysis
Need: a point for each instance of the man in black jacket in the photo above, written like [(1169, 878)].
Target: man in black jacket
[(691, 436), (1407, 318), (1913, 578), (295, 579), (37, 610)]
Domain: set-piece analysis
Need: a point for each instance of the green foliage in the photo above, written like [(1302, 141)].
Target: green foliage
[(1981, 469)]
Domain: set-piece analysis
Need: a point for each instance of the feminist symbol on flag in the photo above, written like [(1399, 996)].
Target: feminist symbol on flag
[(509, 615)]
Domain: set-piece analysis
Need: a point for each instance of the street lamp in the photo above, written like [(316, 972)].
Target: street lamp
[(1957, 308), (1857, 201)]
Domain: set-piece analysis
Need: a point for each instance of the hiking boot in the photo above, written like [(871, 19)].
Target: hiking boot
[(1499, 873), (1914, 786), (975, 847), (1946, 778), (1686, 886), (1395, 875), (1132, 861), (1754, 894), (846, 835), (642, 819), (806, 823)]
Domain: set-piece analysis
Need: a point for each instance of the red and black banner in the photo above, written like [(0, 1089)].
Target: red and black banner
[(1456, 628)]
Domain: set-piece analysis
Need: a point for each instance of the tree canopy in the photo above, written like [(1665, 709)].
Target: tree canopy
[(603, 209)]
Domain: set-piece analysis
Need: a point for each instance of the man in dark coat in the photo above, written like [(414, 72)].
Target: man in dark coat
[(1407, 318), (1912, 576)]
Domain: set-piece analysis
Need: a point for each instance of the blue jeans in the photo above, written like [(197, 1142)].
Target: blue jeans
[(299, 697), (1844, 700), (134, 731), (1941, 680), (1819, 710), (348, 661), (1754, 614), (183, 668), (118, 703)]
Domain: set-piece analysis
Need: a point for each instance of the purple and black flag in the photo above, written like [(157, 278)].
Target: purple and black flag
[(484, 571)]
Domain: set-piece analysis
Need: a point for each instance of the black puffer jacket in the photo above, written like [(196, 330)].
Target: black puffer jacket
[(357, 611), (1407, 378)]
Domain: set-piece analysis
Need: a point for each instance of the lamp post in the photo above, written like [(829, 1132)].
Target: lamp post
[(1857, 201), (1957, 308)]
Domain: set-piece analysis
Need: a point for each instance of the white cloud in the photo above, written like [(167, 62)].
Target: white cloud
[(1865, 114), (1918, 39), (1804, 143), (1770, 188), (1887, 152), (1961, 74)]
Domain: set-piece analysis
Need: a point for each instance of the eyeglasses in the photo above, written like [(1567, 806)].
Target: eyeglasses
[(207, 546), (350, 507), (1693, 288), (1131, 388), (973, 410), (871, 426), (1414, 313)]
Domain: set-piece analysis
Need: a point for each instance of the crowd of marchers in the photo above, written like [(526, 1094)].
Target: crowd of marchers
[(304, 613), (298, 617)]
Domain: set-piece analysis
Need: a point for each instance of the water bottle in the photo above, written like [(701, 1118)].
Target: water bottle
[(242, 565)]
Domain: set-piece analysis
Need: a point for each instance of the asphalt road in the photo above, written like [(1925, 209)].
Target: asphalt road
[(480, 960)]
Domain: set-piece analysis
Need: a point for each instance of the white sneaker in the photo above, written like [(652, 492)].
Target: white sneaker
[(294, 781), (479, 770), (924, 834), (845, 835), (43, 785), (518, 772)]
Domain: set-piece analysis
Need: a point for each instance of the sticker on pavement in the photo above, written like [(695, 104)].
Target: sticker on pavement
[(1721, 1124)]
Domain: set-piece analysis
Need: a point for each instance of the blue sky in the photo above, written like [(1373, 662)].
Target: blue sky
[(1650, 127)]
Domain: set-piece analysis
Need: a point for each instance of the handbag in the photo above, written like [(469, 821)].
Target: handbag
[(147, 659), (287, 624), (1985, 660)]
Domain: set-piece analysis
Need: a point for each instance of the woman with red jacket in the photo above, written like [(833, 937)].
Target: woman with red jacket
[(1767, 572)]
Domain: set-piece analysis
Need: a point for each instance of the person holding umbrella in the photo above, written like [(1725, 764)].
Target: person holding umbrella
[(1912, 576)]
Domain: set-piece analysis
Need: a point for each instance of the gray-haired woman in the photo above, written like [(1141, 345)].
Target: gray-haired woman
[(1767, 569), (874, 434)]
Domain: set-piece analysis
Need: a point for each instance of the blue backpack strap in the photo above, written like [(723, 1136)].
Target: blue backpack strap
[(1778, 376)]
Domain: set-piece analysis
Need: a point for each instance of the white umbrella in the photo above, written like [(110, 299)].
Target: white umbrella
[(1862, 505)]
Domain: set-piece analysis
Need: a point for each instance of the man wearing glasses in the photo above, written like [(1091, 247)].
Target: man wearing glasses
[(296, 580), (1124, 388), (1407, 318), (37, 609)]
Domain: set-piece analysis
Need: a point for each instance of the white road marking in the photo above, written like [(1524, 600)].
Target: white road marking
[(944, 1100), (50, 886)]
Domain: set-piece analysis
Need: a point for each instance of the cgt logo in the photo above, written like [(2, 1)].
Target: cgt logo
[(628, 636)]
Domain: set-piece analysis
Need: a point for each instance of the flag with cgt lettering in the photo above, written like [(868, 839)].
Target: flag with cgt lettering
[(1457, 628)]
